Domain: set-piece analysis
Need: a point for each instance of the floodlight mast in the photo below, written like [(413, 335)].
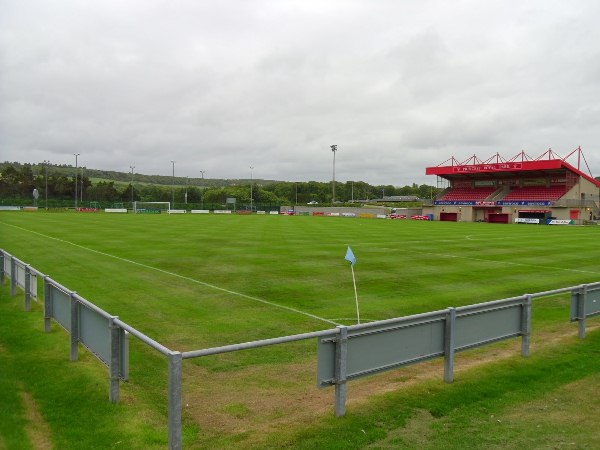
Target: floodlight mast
[(132, 167), (76, 155), (81, 190), (173, 186), (251, 169), (187, 182), (333, 149), (46, 191), (202, 193)]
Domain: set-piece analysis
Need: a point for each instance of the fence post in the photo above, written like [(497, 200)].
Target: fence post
[(581, 299), (2, 267), (13, 277), (449, 332), (341, 351), (113, 368), (74, 326), (175, 367), (47, 304), (526, 326), (27, 287)]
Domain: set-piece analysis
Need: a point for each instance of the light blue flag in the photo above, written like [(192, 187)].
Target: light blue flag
[(350, 256)]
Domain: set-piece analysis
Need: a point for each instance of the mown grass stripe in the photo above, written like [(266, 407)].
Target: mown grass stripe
[(183, 277)]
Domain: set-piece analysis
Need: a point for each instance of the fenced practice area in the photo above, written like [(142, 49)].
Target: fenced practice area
[(344, 352)]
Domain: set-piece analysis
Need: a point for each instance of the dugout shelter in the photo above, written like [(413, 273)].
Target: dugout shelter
[(519, 189)]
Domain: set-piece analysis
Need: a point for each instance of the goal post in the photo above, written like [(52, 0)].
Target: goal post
[(151, 207)]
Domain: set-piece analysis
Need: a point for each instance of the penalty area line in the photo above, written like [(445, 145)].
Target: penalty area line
[(183, 277)]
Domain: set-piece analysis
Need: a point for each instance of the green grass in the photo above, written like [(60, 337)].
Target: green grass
[(508, 404), (192, 282)]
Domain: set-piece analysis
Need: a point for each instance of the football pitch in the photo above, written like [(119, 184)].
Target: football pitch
[(198, 281), (261, 276)]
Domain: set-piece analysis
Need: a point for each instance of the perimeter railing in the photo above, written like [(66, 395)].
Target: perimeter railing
[(343, 353)]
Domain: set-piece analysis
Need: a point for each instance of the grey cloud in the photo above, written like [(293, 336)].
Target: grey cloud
[(220, 86)]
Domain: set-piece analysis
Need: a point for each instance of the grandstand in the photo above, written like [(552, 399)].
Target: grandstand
[(518, 189)]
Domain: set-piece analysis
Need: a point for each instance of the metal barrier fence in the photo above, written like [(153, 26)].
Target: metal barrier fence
[(343, 353)]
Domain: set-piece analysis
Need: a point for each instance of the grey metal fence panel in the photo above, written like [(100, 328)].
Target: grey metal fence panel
[(585, 303), (382, 348), (574, 313), (61, 307), (94, 333), (484, 326), (21, 279), (33, 289), (20, 274), (371, 353), (7, 265), (592, 302)]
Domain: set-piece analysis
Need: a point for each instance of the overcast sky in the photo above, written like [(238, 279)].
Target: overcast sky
[(221, 86)]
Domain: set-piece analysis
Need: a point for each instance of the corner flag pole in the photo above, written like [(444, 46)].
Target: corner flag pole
[(355, 295), (352, 259)]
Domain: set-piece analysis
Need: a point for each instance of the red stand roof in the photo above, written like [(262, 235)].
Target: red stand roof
[(493, 167)]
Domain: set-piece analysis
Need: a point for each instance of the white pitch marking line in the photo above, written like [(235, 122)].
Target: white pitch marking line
[(183, 277)]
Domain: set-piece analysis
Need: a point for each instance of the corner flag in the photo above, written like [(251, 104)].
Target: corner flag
[(352, 259), (350, 256)]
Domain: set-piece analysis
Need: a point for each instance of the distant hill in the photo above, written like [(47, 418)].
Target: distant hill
[(17, 180), (125, 177)]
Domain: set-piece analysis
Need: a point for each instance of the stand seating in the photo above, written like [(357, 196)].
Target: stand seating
[(539, 193), (468, 194)]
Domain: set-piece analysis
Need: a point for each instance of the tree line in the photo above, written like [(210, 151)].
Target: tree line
[(58, 185)]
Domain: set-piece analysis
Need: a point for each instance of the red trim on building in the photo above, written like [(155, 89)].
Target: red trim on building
[(507, 167), (521, 162)]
